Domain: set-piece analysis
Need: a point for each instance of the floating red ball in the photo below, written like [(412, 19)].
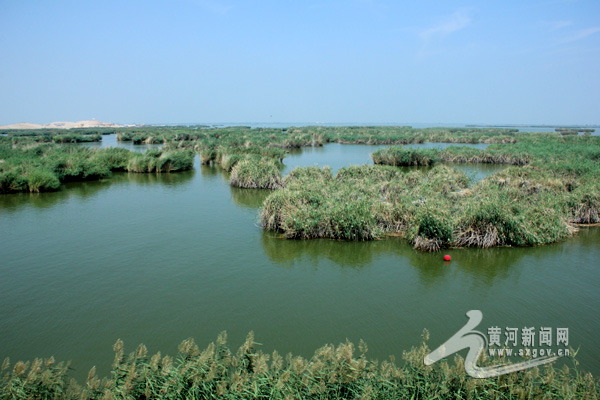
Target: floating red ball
[(447, 258)]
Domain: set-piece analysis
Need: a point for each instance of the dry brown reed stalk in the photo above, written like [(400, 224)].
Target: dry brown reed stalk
[(478, 236), (425, 244)]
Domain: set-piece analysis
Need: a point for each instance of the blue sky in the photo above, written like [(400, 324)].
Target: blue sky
[(493, 62)]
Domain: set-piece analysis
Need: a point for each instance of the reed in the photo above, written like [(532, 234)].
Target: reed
[(38, 167), (488, 224), (256, 173), (434, 229), (40, 180), (333, 372), (207, 156), (585, 204), (432, 208), (400, 156), (158, 161), (75, 138)]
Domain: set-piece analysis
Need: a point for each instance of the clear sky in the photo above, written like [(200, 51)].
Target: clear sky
[(184, 61)]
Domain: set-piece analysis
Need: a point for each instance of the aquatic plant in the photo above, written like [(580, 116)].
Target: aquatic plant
[(432, 208), (434, 229), (400, 156), (256, 173), (333, 372), (159, 161), (75, 138), (38, 167), (585, 204), (40, 180)]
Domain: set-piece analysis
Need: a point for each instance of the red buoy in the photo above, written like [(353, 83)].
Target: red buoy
[(447, 257)]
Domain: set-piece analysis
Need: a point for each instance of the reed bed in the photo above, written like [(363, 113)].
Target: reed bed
[(333, 372), (585, 205), (202, 137), (35, 167), (74, 138), (433, 208), (256, 173), (159, 161), (402, 157)]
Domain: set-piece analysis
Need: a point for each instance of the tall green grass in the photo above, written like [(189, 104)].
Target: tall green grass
[(400, 156), (256, 173), (159, 161), (38, 167), (434, 208), (333, 372)]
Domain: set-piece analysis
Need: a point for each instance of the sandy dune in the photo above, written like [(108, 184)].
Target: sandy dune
[(62, 125)]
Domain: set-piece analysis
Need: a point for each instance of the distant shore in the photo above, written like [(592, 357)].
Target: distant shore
[(63, 125)]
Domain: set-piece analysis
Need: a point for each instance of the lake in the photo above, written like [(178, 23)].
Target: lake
[(156, 259)]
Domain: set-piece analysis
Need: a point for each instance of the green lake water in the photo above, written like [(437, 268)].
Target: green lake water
[(156, 259)]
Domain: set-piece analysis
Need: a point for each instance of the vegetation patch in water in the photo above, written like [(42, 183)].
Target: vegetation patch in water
[(256, 173), (35, 167), (433, 209), (161, 161), (401, 156)]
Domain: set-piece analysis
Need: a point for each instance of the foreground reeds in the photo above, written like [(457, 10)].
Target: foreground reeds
[(332, 372)]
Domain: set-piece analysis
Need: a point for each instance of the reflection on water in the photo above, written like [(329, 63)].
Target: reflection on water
[(249, 198), (346, 254), (213, 171), (482, 266)]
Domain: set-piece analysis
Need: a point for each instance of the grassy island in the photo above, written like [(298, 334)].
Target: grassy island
[(43, 167), (551, 187)]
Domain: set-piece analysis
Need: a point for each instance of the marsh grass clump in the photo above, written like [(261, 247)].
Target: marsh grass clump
[(159, 161), (315, 204), (76, 138), (13, 180), (490, 224), (36, 167), (444, 180), (585, 204), (207, 156), (403, 157), (434, 230), (228, 161), (433, 208), (41, 180), (256, 173), (116, 159), (333, 372)]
